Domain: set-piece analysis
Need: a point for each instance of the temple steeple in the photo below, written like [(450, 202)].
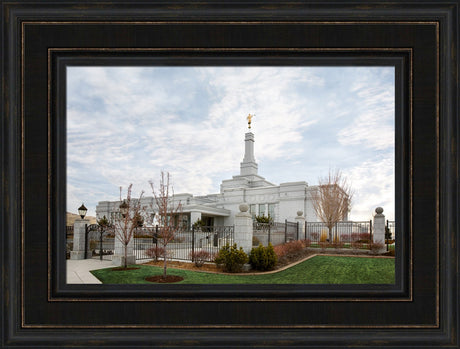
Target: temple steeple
[(248, 166), (248, 177)]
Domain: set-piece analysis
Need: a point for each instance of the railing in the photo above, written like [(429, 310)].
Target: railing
[(349, 234), (206, 240), (275, 232), (69, 231), (390, 231), (291, 231)]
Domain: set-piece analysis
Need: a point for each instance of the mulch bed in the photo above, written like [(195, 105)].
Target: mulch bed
[(164, 280), (186, 265), (293, 257)]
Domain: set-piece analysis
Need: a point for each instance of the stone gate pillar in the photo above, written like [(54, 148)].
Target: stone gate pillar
[(79, 229), (378, 234), (243, 228), (119, 253), (301, 222)]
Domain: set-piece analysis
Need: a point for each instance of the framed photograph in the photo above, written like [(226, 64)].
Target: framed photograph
[(248, 107)]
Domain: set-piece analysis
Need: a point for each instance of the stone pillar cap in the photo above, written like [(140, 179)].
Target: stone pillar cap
[(244, 207)]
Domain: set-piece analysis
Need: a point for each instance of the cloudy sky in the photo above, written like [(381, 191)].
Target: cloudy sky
[(127, 124)]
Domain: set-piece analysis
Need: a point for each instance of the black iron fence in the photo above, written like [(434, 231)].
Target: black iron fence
[(348, 234), (275, 232), (291, 231), (204, 242), (390, 230), (69, 231)]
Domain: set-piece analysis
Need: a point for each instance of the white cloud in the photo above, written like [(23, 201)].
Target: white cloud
[(373, 185), (372, 117), (125, 125)]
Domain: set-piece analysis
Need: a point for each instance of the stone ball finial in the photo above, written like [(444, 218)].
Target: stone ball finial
[(244, 208), (379, 210), (299, 213)]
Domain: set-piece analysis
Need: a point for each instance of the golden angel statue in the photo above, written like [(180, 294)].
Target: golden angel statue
[(249, 119)]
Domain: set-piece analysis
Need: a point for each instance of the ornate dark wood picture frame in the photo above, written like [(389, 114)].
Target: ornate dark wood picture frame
[(40, 39)]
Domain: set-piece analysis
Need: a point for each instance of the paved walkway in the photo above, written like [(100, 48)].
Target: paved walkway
[(78, 270)]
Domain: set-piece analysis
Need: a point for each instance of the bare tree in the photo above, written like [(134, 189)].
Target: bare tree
[(332, 200), (169, 214), (125, 224)]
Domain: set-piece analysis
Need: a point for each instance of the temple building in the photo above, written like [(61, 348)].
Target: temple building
[(281, 201)]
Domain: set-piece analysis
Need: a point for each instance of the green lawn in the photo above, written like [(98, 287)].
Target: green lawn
[(317, 270)]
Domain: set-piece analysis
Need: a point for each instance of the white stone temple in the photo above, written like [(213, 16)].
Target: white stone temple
[(281, 201)]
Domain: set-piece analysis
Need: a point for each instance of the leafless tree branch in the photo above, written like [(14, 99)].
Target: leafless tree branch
[(332, 199)]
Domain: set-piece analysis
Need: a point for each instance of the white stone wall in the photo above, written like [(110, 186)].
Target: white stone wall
[(309, 212), (288, 198)]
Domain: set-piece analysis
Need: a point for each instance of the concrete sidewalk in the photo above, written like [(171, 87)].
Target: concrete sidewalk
[(78, 270)]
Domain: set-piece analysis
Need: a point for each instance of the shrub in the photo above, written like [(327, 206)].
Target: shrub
[(357, 245), (255, 241), (361, 237), (324, 236), (263, 258), (354, 237), (288, 248), (272, 259), (231, 258), (390, 253), (314, 236), (364, 237), (338, 244), (198, 224), (199, 257), (387, 233), (155, 253), (264, 219), (377, 247), (345, 237)]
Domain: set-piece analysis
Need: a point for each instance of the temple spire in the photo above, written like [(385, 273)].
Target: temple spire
[(249, 165)]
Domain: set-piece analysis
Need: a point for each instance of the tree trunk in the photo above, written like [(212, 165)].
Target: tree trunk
[(126, 256), (164, 264), (330, 234)]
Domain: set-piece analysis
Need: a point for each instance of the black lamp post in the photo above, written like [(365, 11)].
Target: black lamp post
[(82, 211)]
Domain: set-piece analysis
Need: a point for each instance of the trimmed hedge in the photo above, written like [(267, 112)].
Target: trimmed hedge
[(231, 258), (263, 258)]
